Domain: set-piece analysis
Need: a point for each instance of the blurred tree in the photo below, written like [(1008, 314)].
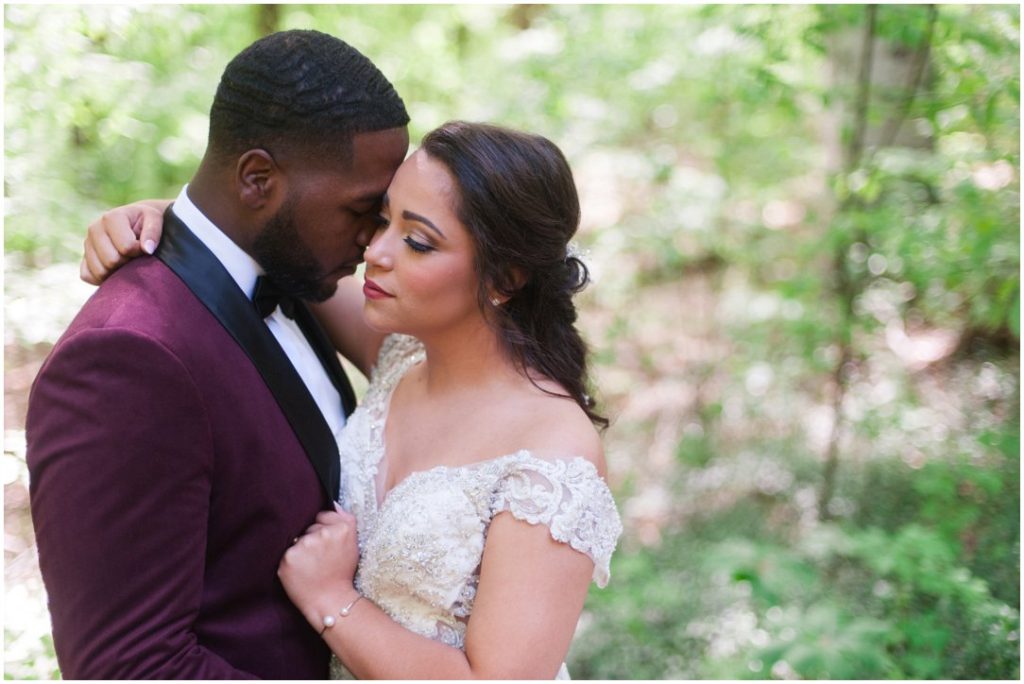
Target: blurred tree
[(268, 18)]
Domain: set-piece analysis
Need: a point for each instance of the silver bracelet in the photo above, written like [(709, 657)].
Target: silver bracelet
[(344, 612)]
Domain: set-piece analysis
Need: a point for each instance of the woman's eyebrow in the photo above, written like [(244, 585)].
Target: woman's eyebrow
[(413, 216)]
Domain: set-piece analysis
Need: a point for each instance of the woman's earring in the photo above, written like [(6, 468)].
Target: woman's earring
[(495, 301)]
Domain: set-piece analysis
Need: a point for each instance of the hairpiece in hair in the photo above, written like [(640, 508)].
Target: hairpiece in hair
[(574, 251)]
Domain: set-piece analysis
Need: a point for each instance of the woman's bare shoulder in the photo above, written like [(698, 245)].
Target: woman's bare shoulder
[(556, 427)]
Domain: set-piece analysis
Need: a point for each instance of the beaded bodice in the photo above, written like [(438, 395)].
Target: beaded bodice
[(421, 546)]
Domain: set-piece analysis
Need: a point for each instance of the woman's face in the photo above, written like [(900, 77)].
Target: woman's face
[(420, 274)]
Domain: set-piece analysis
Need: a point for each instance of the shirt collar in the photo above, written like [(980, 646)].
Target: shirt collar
[(242, 267)]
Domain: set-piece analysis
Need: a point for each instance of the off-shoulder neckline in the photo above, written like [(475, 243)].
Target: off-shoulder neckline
[(383, 412), (441, 467)]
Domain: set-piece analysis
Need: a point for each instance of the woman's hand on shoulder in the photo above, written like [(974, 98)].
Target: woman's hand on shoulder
[(120, 235)]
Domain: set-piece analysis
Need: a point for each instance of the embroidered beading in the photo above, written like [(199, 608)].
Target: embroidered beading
[(421, 548)]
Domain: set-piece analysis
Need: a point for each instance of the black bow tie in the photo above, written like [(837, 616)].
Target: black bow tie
[(268, 295)]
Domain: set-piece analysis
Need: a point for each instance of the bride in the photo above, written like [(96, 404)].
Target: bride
[(473, 506)]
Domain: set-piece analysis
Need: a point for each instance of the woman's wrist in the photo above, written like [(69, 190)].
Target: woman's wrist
[(327, 608)]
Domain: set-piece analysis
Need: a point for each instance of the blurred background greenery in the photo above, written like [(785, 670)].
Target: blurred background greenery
[(803, 223)]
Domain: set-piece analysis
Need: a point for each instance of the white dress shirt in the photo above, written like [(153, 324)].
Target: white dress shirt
[(244, 270)]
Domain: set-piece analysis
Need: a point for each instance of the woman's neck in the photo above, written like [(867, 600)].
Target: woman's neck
[(466, 358)]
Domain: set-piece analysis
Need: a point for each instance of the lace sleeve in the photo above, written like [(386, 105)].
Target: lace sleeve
[(570, 498)]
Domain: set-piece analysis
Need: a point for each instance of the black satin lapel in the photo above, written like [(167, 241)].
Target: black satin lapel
[(189, 258), (327, 354)]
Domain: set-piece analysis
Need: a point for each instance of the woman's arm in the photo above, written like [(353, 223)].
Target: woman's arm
[(528, 602)]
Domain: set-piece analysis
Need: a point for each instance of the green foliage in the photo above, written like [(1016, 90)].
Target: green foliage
[(844, 602), (104, 105), (827, 642), (947, 622), (641, 630), (123, 115)]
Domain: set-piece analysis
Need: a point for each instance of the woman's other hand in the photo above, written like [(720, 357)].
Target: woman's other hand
[(120, 235), (318, 569)]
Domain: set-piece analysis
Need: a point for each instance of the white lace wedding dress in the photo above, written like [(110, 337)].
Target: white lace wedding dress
[(421, 546)]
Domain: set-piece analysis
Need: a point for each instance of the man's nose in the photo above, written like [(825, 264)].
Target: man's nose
[(365, 233)]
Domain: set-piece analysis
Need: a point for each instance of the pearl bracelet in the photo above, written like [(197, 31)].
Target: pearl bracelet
[(344, 612)]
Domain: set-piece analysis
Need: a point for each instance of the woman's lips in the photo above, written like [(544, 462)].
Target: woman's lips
[(374, 291)]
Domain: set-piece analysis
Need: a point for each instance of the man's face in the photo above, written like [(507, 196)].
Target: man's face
[(328, 216)]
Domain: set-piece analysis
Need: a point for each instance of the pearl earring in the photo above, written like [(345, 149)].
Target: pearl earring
[(495, 301)]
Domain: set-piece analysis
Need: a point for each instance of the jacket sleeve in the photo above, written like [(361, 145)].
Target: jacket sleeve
[(120, 460)]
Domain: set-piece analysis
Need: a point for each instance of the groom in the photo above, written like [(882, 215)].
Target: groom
[(182, 431)]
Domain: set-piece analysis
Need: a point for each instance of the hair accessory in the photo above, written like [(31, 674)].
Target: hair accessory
[(572, 250), (330, 621)]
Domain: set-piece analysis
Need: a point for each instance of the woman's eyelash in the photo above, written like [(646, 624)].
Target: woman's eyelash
[(417, 246)]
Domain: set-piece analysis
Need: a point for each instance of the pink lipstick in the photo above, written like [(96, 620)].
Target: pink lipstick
[(374, 291)]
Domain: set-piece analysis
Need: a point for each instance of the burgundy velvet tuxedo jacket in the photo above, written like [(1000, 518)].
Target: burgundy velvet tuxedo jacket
[(174, 453)]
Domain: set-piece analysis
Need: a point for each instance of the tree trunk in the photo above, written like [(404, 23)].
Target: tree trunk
[(268, 19), (886, 80), (845, 290), (522, 16)]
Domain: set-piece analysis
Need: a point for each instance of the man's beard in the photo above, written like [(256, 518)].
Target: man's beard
[(287, 260)]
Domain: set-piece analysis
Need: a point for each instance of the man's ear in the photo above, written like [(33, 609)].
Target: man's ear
[(259, 179)]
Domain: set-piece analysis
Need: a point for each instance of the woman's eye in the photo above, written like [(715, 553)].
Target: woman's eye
[(380, 221), (417, 246)]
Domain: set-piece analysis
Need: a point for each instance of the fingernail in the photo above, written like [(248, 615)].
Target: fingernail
[(149, 247)]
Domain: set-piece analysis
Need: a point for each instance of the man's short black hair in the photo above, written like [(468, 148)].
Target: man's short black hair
[(301, 89)]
